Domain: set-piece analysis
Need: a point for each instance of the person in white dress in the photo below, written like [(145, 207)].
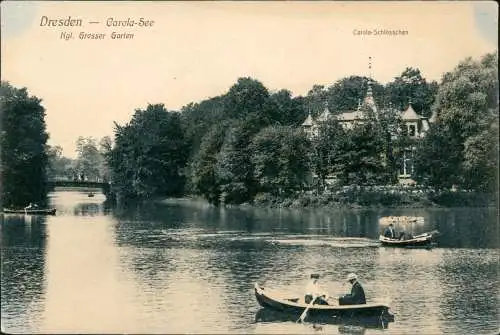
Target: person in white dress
[(315, 292)]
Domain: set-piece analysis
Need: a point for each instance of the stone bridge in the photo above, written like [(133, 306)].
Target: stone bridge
[(105, 187)]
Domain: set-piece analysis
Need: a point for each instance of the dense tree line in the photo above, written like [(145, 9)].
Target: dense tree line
[(251, 142), (248, 142), (149, 155), (89, 165), (23, 141)]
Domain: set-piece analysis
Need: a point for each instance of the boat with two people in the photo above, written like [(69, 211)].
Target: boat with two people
[(326, 307), (390, 237), (32, 209), (427, 240)]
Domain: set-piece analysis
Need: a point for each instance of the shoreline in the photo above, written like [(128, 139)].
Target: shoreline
[(360, 199)]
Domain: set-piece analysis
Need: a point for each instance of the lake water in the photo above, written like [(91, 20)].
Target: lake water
[(184, 267)]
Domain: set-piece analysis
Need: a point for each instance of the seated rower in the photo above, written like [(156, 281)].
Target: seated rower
[(357, 295), (31, 206), (389, 232), (404, 236), (313, 291)]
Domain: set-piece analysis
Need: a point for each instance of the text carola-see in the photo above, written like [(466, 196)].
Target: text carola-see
[(112, 22)]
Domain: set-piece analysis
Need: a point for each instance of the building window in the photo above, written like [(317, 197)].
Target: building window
[(411, 130)]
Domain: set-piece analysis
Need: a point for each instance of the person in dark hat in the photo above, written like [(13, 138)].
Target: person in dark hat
[(314, 292), (357, 295), (389, 232)]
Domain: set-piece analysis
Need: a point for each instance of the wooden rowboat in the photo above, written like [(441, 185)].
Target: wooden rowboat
[(370, 322), (296, 306), (422, 240), (49, 211)]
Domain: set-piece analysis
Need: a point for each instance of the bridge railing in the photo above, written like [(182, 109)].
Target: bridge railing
[(70, 183)]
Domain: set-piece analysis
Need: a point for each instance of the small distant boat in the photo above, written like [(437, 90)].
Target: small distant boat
[(49, 211), (90, 195), (422, 240), (401, 219), (297, 305)]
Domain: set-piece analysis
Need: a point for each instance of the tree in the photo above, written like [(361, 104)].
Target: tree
[(203, 179), (394, 139), (326, 148), (280, 159), (23, 142), (247, 97), (105, 149), (54, 155), (438, 159), (315, 101), (89, 159), (149, 155), (280, 108), (411, 86), (481, 160), (234, 170), (198, 118), (466, 110), (360, 160), (105, 145), (59, 167), (345, 94)]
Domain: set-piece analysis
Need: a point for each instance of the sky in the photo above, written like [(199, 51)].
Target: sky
[(197, 50)]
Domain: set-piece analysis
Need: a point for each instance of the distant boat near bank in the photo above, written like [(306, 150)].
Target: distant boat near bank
[(386, 220), (405, 238), (91, 195), (38, 211)]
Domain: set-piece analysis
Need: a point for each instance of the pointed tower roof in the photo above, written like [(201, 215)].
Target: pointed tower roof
[(409, 114), (309, 121), (369, 101), (325, 115)]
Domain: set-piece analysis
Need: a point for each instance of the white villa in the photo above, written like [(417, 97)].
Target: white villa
[(417, 127)]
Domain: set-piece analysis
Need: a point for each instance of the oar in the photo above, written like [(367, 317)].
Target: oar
[(304, 313)]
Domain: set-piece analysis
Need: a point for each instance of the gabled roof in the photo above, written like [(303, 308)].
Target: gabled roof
[(351, 116), (409, 114), (308, 122), (324, 116)]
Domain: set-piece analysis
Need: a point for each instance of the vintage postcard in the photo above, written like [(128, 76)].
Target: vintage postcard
[(249, 167)]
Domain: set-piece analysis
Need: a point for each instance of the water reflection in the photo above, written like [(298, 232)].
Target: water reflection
[(470, 289), (186, 267), (23, 242), (358, 223), (466, 227), (88, 209)]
